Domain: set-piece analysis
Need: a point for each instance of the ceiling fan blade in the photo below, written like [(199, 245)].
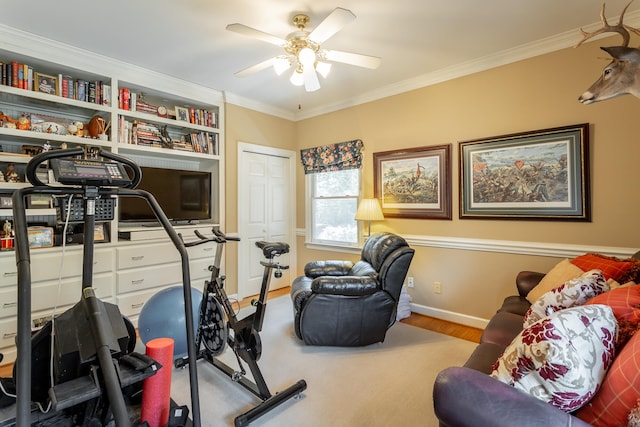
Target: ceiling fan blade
[(256, 34), (331, 24), (255, 68), (366, 61), (311, 82)]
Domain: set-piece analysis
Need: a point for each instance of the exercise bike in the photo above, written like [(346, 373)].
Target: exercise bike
[(219, 326), (93, 363)]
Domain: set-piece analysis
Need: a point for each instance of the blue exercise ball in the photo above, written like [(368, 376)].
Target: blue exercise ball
[(163, 317)]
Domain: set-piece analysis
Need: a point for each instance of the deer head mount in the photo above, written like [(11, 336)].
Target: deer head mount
[(622, 75)]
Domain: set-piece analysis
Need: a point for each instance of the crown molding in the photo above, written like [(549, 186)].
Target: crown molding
[(30, 44), (260, 107), (526, 51)]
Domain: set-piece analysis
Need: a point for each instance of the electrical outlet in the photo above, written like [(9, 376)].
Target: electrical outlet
[(410, 282), (437, 287)]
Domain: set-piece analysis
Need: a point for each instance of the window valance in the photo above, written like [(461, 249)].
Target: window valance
[(333, 157)]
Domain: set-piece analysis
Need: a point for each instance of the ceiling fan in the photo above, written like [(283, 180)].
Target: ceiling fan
[(303, 51)]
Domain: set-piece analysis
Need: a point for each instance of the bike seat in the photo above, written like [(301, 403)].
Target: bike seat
[(270, 250)]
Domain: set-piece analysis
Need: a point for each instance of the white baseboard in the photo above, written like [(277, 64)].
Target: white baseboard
[(450, 316)]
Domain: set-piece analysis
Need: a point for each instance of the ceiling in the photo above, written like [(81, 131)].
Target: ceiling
[(419, 41)]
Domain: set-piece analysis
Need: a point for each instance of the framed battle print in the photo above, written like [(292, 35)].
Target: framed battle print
[(414, 182), (539, 175)]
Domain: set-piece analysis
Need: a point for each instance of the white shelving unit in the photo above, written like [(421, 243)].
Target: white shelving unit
[(54, 59)]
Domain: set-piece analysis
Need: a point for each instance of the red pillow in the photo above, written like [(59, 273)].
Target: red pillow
[(619, 391), (624, 301), (620, 270)]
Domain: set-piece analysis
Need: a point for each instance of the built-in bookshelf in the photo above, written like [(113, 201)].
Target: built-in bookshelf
[(54, 96)]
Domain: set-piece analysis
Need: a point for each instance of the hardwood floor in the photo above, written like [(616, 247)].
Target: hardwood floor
[(418, 320), (442, 326)]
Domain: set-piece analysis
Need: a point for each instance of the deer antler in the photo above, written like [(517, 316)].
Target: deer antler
[(606, 28)]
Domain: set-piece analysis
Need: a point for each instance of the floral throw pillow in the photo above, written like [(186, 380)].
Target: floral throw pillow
[(572, 293), (561, 359)]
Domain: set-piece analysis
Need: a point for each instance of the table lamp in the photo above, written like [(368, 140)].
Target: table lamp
[(369, 210)]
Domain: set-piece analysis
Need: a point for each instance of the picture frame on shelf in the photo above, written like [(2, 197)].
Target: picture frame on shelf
[(534, 175), (6, 202), (45, 83), (100, 233), (414, 182), (182, 114), (40, 237)]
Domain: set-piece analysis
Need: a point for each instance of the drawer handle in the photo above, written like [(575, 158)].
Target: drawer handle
[(140, 304), (9, 304), (9, 335), (10, 273), (137, 282), (209, 249), (137, 258)]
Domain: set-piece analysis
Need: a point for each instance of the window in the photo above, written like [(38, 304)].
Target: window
[(332, 206)]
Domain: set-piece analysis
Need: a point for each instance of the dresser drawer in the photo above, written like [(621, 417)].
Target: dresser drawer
[(146, 255), (138, 279), (149, 277), (205, 250), (132, 303), (9, 275), (8, 328), (199, 269), (45, 295), (47, 266)]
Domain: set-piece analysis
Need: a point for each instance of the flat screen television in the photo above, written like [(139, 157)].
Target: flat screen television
[(183, 195)]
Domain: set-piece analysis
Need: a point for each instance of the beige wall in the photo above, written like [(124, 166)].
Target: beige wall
[(244, 125), (533, 94)]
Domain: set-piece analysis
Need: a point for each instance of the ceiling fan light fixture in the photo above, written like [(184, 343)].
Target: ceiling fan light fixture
[(323, 68), (303, 51), (296, 78), (281, 64), (307, 57)]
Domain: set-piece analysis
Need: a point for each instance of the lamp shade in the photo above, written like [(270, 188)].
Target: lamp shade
[(369, 210)]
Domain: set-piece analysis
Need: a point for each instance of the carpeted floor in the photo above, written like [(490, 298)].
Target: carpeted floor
[(387, 384)]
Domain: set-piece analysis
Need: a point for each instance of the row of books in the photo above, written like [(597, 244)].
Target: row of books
[(130, 101), (23, 76), (149, 134), (95, 92), (202, 142), (203, 117)]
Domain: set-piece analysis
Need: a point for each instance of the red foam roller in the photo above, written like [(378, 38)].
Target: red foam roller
[(156, 390)]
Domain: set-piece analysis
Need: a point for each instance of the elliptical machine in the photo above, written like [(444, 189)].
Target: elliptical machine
[(93, 358), (219, 325)]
